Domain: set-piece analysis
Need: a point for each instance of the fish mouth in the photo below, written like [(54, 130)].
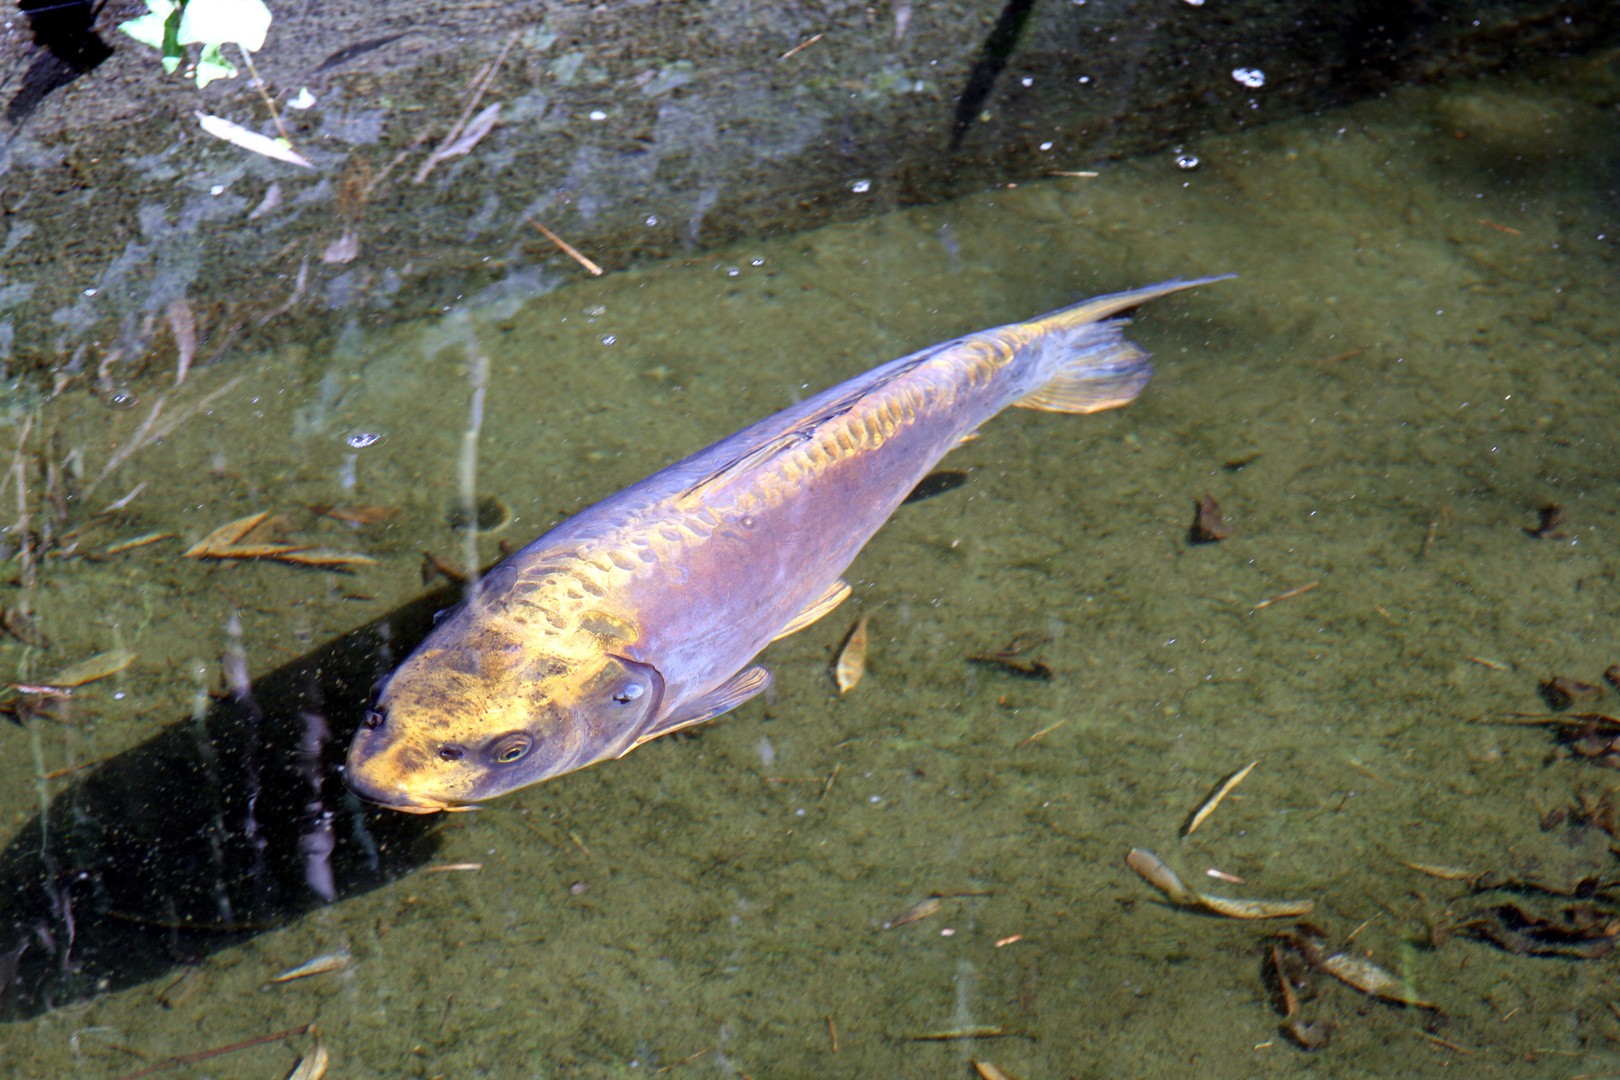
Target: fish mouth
[(398, 798), (420, 805)]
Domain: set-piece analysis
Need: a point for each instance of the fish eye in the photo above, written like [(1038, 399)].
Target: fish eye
[(450, 752), (629, 693), (511, 748), (375, 718)]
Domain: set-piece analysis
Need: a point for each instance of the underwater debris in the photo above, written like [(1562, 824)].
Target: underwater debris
[(988, 1071), (203, 1055), (1154, 871), (22, 626), (96, 667), (969, 1031), (1209, 524), (801, 45), (1551, 516), (135, 542), (1007, 659), (178, 991), (183, 324), (225, 542), (1582, 930), (480, 84), (318, 966), (1354, 971), (568, 249), (1561, 691), (312, 1066), (488, 516), (1287, 594), (1293, 975), (238, 135), (325, 558), (1222, 790), (435, 567), (355, 515), (851, 663), (915, 912)]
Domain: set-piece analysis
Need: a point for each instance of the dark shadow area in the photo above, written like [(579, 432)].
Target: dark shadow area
[(208, 833), (67, 47)]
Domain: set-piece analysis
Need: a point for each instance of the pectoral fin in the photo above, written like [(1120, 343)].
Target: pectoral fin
[(723, 698), (824, 603)]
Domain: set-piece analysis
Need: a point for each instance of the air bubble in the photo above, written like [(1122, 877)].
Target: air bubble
[(732, 271), (598, 114), (861, 187), (761, 262), (1186, 161), (1253, 78), (1046, 146), (652, 219), (359, 440), (609, 339)]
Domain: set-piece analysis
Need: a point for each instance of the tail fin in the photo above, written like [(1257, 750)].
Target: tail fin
[(1096, 367)]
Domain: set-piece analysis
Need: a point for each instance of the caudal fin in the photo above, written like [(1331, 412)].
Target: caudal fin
[(1093, 366)]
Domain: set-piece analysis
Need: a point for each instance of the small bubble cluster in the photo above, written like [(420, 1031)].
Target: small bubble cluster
[(362, 439), (1253, 78)]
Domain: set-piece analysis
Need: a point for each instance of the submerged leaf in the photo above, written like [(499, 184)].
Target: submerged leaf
[(97, 667)]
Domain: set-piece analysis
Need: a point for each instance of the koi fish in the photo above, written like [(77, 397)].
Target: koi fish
[(642, 614)]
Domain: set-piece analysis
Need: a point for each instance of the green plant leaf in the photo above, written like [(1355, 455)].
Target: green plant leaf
[(214, 22), (149, 28), (212, 65)]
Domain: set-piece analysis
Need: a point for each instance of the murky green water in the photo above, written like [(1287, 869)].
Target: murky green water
[(1416, 357)]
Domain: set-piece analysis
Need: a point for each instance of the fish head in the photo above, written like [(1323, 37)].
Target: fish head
[(483, 709)]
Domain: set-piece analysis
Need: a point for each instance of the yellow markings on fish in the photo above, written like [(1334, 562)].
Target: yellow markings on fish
[(602, 624), (318, 966), (851, 663)]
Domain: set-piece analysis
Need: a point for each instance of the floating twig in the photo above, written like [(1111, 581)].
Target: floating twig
[(1297, 590), (801, 45), (203, 1055), (480, 84), (567, 248)]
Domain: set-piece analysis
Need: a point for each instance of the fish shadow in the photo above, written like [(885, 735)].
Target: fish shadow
[(209, 833)]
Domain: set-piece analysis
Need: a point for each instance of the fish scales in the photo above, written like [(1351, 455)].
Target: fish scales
[(641, 615)]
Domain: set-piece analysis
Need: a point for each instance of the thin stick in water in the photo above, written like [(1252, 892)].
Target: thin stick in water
[(568, 249)]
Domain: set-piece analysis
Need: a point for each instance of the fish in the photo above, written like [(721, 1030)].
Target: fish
[(643, 614)]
